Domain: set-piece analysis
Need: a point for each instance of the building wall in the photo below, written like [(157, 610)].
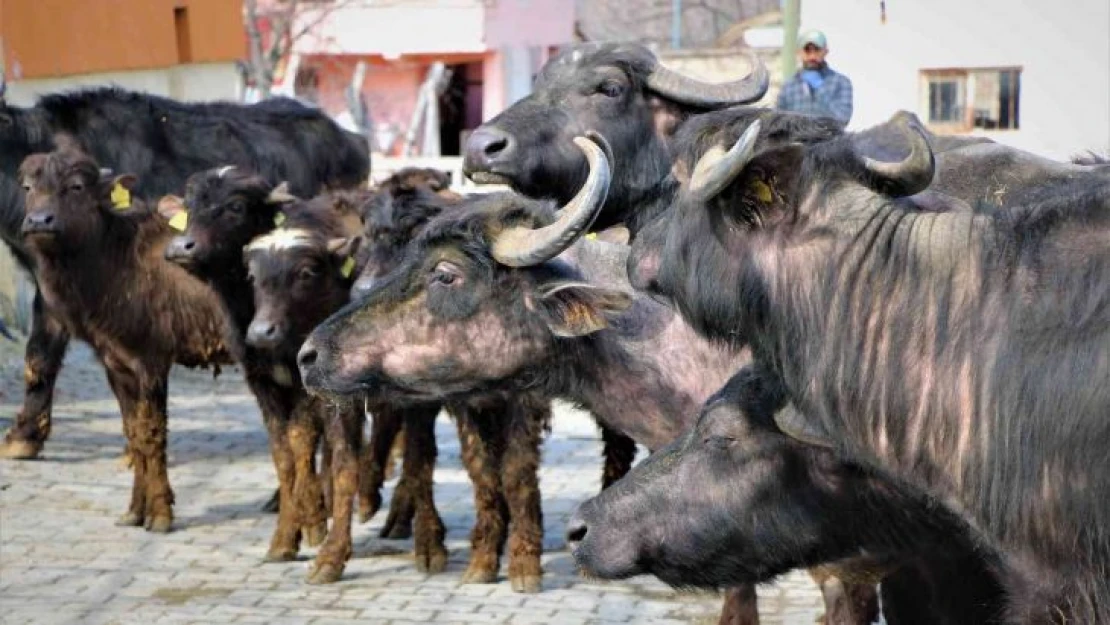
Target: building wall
[(1062, 48), (199, 82), (50, 38)]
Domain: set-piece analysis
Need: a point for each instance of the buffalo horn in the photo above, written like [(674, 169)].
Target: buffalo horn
[(523, 247), (687, 90), (910, 175), (717, 168), (800, 428)]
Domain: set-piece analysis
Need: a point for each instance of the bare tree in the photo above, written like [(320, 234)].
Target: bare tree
[(289, 21)]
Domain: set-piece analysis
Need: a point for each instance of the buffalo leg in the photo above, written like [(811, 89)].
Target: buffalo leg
[(619, 451), (126, 390), (46, 349), (151, 425), (276, 414), (520, 482), (304, 437), (420, 455), (343, 431), (402, 508), (740, 607), (482, 440), (385, 425)]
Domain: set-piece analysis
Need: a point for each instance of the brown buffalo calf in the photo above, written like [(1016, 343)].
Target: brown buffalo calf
[(98, 263)]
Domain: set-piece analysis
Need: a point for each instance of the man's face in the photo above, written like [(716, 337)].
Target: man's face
[(813, 57)]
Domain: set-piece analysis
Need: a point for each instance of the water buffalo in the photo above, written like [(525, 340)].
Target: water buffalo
[(162, 142), (618, 90), (479, 307), (941, 341), (767, 504), (96, 251)]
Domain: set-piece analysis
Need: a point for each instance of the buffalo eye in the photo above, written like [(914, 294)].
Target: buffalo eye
[(76, 186), (307, 273), (446, 273), (717, 441), (235, 206), (610, 88), (27, 187)]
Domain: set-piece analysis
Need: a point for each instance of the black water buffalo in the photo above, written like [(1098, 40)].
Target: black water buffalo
[(162, 142), (959, 345), (458, 319), (767, 504), (618, 90)]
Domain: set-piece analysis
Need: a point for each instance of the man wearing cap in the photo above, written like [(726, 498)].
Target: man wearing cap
[(817, 89)]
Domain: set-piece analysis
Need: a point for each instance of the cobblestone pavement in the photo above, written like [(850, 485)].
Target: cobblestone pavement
[(63, 561)]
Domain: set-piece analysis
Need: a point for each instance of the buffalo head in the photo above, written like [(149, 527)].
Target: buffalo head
[(458, 312), (619, 90)]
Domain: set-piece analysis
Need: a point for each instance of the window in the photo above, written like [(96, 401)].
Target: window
[(959, 100)]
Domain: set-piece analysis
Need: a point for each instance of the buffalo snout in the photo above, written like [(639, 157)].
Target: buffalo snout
[(598, 548), (265, 334), (488, 149), (180, 249), (40, 222)]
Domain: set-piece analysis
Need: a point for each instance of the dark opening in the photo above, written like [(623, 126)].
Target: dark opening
[(456, 114), (181, 30)]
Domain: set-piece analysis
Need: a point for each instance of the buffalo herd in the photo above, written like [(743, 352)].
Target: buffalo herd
[(881, 356)]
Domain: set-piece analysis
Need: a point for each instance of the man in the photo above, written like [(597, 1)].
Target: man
[(817, 89)]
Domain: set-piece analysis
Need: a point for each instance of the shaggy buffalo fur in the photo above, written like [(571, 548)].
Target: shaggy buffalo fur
[(101, 271)]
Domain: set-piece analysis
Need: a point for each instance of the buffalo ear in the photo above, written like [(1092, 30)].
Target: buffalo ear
[(578, 308), (802, 428), (170, 205)]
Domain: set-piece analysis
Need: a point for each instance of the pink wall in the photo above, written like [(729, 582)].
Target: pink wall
[(529, 23)]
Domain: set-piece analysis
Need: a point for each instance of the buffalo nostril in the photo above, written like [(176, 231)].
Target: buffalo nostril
[(189, 245), (49, 219), (270, 331), (495, 147), (307, 358), (576, 532)]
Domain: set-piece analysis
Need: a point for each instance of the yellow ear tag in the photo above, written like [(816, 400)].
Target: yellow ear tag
[(179, 221), (592, 236), (761, 190), (121, 197), (348, 267), (279, 218)]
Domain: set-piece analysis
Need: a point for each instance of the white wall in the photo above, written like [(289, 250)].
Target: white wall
[(1063, 49), (208, 81)]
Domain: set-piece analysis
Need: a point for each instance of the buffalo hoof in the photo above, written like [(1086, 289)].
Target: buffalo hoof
[(314, 536), (280, 555), (325, 573), (274, 504), (477, 575), (435, 561), (15, 449), (129, 519), (530, 584), (159, 524)]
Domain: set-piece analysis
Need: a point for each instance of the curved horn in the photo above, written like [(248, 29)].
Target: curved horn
[(523, 247), (689, 90), (912, 174), (717, 168), (223, 170)]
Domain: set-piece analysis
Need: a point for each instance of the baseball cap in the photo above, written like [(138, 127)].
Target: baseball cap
[(814, 37)]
